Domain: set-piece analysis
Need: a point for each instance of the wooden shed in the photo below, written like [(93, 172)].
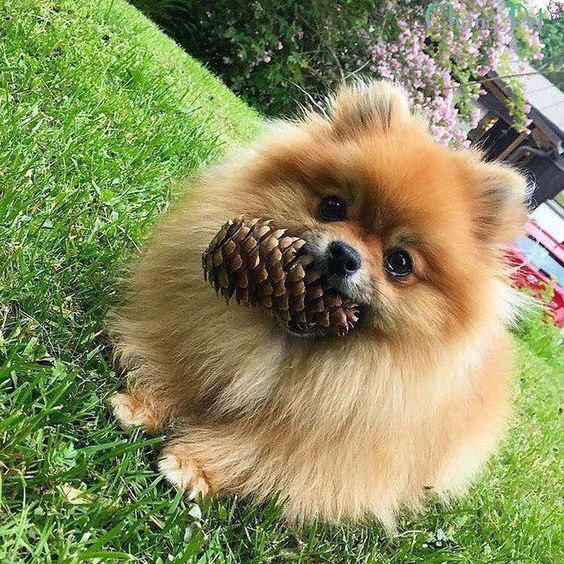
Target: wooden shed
[(538, 151)]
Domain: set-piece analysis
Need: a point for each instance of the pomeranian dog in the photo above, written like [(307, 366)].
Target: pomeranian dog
[(413, 400)]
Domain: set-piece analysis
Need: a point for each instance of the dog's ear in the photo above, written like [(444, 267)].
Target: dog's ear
[(365, 105), (500, 196)]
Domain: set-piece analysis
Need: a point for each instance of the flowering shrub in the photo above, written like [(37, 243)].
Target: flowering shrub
[(440, 51), (276, 52)]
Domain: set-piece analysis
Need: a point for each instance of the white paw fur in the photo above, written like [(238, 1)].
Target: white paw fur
[(129, 412), (183, 473)]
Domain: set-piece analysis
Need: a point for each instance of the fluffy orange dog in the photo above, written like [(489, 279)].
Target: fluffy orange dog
[(413, 400)]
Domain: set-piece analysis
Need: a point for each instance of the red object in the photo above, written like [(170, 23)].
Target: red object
[(526, 275), (545, 239)]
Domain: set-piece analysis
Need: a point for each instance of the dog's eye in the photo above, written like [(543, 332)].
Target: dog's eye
[(332, 208), (398, 263)]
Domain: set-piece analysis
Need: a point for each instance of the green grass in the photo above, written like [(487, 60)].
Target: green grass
[(99, 114)]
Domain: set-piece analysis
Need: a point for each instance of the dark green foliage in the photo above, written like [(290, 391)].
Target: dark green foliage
[(268, 51), (552, 36)]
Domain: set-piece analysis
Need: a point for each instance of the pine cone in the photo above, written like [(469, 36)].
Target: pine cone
[(258, 265)]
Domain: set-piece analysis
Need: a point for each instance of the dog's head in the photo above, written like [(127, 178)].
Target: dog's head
[(405, 227)]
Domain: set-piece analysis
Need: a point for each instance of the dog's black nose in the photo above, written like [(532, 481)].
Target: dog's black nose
[(342, 259)]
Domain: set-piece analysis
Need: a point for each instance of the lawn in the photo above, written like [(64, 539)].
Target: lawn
[(99, 115)]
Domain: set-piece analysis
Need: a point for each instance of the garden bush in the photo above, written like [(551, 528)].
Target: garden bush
[(552, 37), (275, 54), (270, 52)]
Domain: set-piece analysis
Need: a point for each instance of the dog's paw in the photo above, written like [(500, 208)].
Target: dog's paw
[(131, 413), (183, 472)]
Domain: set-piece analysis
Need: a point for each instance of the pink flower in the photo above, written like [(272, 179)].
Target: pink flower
[(466, 42)]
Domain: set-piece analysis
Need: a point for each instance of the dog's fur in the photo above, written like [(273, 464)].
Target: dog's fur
[(412, 400)]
